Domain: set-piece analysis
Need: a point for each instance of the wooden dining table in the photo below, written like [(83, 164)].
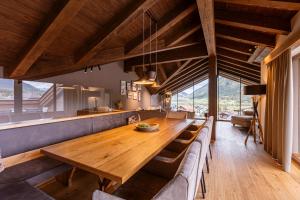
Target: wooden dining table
[(117, 154)]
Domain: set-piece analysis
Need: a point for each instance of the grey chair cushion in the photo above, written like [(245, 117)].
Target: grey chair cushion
[(22, 191), (99, 195), (183, 185), (142, 186)]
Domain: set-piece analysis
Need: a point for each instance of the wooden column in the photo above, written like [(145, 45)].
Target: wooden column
[(18, 96), (212, 98)]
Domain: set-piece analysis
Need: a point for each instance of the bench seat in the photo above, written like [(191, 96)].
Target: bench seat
[(22, 191)]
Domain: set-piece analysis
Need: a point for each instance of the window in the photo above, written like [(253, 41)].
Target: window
[(174, 102), (186, 99), (59, 98), (193, 98), (6, 96), (201, 99), (231, 100), (37, 97)]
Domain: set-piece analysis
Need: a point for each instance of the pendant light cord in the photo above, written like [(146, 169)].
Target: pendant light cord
[(143, 40), (156, 50), (150, 42)]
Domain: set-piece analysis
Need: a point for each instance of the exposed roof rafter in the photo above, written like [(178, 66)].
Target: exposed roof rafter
[(54, 25)]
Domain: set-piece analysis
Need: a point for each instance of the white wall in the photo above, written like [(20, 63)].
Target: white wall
[(109, 78)]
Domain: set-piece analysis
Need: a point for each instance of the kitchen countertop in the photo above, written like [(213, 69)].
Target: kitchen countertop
[(35, 122)]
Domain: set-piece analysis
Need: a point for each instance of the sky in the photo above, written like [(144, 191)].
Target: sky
[(39, 85), (197, 86)]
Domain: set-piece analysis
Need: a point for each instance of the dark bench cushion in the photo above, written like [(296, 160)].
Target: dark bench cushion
[(27, 170), (22, 191)]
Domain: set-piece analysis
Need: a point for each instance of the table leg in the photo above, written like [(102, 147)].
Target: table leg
[(66, 178), (104, 183)]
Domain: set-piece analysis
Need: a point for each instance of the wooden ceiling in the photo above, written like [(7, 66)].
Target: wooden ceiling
[(42, 38)]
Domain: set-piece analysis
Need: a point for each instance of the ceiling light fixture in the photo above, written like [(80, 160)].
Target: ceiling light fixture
[(144, 80)]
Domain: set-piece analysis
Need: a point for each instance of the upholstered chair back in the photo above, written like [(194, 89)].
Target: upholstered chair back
[(184, 184), (176, 115)]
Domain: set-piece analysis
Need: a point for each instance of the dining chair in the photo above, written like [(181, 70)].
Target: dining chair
[(176, 115), (182, 141), (202, 138), (183, 185)]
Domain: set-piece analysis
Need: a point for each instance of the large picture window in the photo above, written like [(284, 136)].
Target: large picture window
[(231, 100), (192, 98), (37, 96), (6, 96)]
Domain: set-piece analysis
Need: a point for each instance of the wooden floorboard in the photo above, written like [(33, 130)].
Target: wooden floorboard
[(247, 172), (237, 172)]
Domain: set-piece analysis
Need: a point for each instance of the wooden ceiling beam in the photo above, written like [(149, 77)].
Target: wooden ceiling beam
[(239, 67), (206, 13), (235, 78), (242, 75), (177, 72), (50, 31), (87, 52), (185, 74), (245, 36), (182, 34), (231, 45), (187, 81), (253, 22), (247, 72), (163, 25), (162, 72), (280, 5), (233, 55), (238, 63), (185, 53), (55, 66)]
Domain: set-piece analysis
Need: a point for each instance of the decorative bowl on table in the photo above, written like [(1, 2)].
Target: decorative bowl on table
[(145, 127)]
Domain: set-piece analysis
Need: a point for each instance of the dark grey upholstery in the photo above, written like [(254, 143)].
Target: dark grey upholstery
[(103, 123), (147, 114), (22, 191), (27, 170), (182, 187), (19, 140)]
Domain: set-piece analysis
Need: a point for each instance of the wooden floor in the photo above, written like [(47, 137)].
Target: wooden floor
[(247, 172), (237, 172)]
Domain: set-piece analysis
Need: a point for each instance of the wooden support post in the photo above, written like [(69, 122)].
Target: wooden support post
[(66, 177), (212, 98)]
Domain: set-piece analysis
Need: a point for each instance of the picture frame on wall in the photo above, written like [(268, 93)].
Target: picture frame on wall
[(123, 92), (123, 88), (135, 96), (139, 96), (134, 87), (130, 94), (128, 84)]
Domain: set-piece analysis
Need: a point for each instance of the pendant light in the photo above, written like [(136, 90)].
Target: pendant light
[(156, 84), (144, 80), (151, 73)]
